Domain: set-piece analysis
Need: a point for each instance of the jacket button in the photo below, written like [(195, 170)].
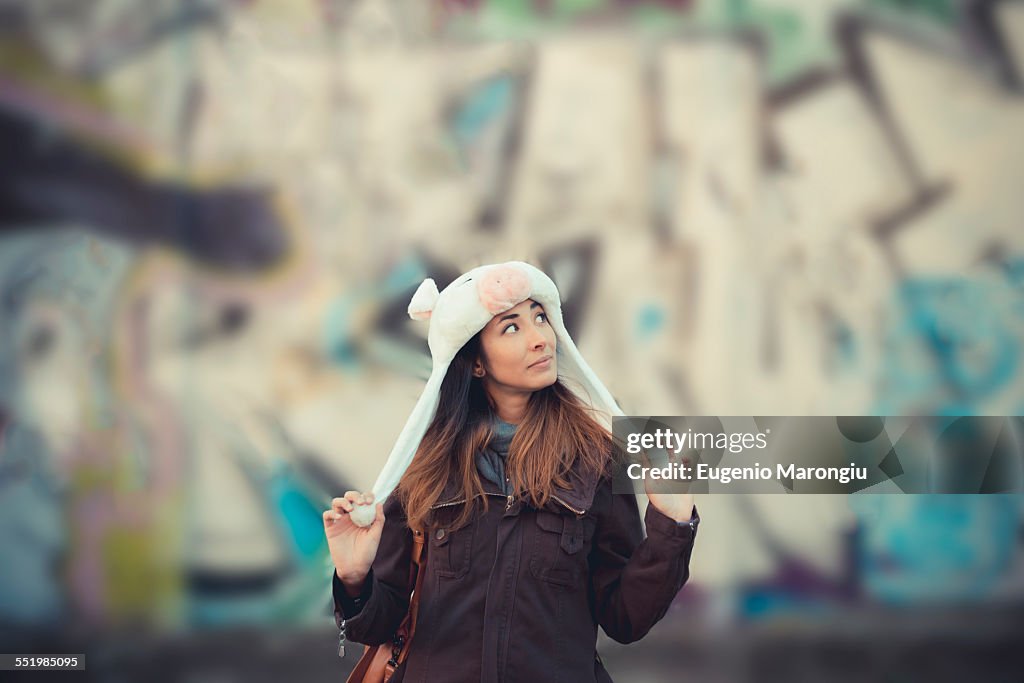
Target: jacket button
[(440, 534)]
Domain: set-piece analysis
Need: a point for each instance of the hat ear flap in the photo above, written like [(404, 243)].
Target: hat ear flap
[(424, 300)]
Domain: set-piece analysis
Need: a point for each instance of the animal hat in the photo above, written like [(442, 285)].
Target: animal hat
[(456, 314)]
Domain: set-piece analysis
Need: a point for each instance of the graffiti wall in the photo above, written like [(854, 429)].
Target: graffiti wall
[(213, 215)]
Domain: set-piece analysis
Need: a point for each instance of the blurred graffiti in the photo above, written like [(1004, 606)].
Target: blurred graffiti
[(213, 214)]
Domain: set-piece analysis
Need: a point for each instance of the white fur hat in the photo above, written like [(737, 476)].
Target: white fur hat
[(456, 314)]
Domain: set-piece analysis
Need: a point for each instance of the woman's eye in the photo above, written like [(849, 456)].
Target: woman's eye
[(511, 325), (542, 317)]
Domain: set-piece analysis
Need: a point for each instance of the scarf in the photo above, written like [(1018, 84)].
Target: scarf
[(491, 460)]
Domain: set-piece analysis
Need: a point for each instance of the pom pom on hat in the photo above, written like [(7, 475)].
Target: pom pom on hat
[(363, 515)]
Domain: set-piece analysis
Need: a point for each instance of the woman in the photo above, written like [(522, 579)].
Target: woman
[(528, 550)]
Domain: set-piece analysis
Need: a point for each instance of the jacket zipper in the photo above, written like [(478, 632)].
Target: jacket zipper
[(579, 513), (463, 500), (451, 502), (508, 503)]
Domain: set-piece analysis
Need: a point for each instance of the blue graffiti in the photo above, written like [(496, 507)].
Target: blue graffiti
[(972, 352), (484, 105)]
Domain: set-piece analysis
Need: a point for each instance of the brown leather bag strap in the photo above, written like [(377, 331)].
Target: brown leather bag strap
[(407, 628), (376, 664), (363, 671), (419, 542)]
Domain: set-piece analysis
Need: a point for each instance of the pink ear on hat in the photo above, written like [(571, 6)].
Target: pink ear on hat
[(424, 300), (502, 287)]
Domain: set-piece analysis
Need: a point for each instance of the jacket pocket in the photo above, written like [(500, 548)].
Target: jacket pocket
[(558, 553), (452, 549)]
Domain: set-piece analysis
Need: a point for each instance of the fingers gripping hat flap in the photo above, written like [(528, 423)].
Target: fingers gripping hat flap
[(457, 313)]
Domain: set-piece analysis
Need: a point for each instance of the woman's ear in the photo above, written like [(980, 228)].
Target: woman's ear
[(478, 368)]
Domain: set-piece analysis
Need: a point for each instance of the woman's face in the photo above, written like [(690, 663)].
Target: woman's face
[(518, 350)]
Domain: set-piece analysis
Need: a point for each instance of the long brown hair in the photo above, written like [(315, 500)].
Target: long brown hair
[(556, 430)]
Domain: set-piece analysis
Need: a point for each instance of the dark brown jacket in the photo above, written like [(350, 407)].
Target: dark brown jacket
[(517, 595)]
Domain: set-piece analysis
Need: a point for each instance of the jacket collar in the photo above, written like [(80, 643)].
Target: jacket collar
[(579, 495)]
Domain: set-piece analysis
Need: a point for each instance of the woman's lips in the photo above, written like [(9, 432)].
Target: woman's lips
[(541, 364)]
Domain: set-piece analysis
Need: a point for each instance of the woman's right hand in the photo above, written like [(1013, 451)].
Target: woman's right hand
[(352, 547)]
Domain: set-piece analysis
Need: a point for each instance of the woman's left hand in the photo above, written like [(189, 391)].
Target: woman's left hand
[(677, 506)]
